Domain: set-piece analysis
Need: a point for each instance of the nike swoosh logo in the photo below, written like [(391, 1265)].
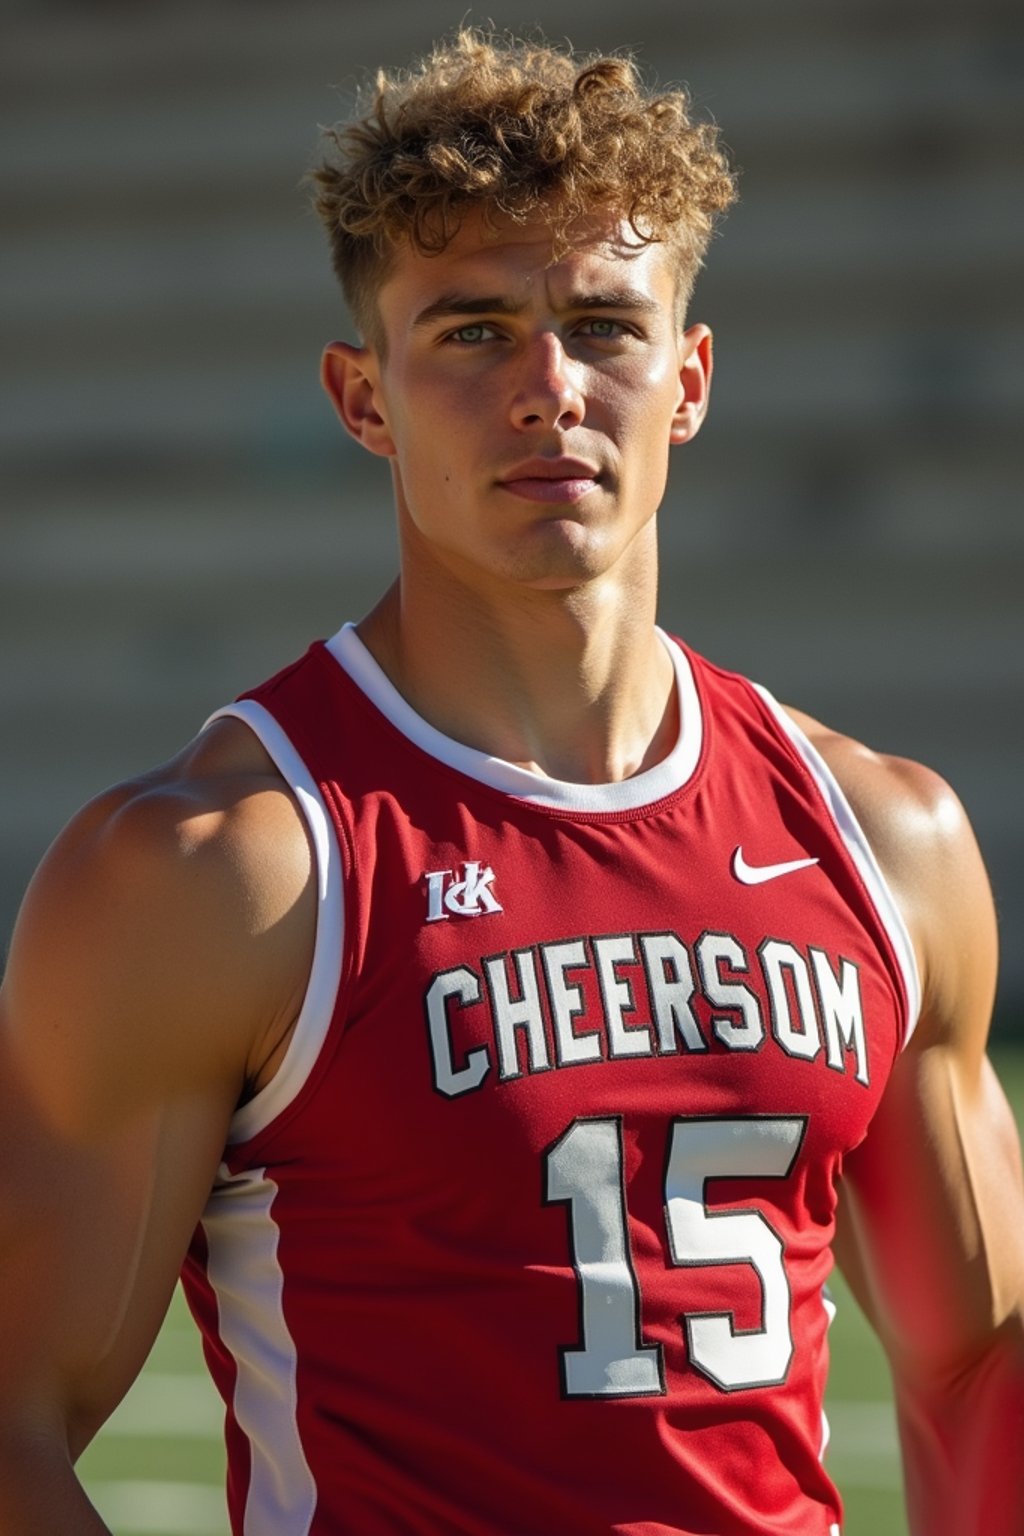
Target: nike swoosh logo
[(757, 874)]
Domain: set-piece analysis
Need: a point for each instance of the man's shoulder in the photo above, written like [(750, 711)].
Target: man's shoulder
[(910, 816), (925, 846), (217, 810), (171, 923), (908, 812)]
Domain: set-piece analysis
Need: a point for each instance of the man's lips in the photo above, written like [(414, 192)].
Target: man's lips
[(552, 480)]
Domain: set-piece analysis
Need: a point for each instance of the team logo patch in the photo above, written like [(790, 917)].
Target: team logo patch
[(468, 896)]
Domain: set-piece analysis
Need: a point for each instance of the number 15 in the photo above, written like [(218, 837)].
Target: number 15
[(585, 1171)]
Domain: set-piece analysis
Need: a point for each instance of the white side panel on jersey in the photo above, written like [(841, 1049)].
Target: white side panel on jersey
[(829, 1308), (628, 795), (325, 972), (246, 1277), (862, 855)]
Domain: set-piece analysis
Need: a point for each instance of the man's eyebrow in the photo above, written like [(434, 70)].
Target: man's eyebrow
[(450, 304), (454, 304), (615, 298)]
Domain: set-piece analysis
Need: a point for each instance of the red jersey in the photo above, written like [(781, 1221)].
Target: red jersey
[(530, 1231)]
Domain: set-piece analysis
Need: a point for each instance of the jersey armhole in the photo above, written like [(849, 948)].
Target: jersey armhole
[(317, 1010), (862, 855)]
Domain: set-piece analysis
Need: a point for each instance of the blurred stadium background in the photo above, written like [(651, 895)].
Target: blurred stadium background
[(180, 512)]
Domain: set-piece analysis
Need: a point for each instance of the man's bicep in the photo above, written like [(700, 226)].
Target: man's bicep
[(933, 1213), (77, 1232), (110, 1134), (928, 1196)]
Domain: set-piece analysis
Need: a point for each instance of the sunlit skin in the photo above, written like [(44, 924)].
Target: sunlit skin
[(527, 406)]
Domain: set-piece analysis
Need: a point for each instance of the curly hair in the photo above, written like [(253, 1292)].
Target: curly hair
[(512, 127)]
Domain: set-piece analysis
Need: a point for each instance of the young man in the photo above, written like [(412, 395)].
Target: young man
[(504, 1010)]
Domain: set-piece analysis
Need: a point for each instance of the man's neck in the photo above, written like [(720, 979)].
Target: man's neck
[(576, 686)]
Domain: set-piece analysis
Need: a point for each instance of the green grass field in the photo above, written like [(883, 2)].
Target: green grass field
[(157, 1469)]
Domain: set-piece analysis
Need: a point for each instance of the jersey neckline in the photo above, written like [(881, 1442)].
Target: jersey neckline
[(643, 789)]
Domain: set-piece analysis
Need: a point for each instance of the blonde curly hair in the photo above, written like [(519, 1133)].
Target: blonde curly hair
[(511, 126)]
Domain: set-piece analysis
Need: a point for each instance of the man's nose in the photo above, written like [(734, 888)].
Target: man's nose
[(549, 392)]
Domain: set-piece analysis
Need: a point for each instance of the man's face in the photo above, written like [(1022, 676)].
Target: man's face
[(527, 404)]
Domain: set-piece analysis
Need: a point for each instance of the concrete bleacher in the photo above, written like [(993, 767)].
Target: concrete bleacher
[(180, 513)]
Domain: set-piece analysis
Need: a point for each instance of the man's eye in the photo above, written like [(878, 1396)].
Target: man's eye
[(469, 335), (604, 330)]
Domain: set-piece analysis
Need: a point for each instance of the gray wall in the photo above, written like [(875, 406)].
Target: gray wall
[(180, 512)]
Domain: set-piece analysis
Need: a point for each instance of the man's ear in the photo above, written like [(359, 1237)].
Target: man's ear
[(351, 377), (694, 384)]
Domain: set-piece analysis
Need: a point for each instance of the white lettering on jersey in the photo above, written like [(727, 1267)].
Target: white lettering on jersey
[(841, 1011), (449, 1079), (715, 950), (567, 1002), (469, 897), (586, 1000), (794, 1021), (511, 1013), (617, 996), (671, 987)]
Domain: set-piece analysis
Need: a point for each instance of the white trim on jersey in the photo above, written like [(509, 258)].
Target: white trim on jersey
[(317, 1008), (830, 1309), (642, 789), (245, 1274), (862, 855)]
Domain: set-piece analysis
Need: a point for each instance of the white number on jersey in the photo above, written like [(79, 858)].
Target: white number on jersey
[(585, 1170)]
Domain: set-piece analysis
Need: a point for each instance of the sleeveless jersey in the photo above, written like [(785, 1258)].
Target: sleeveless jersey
[(530, 1231)]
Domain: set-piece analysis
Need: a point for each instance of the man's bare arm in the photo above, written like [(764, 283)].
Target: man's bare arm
[(932, 1219), (156, 967)]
